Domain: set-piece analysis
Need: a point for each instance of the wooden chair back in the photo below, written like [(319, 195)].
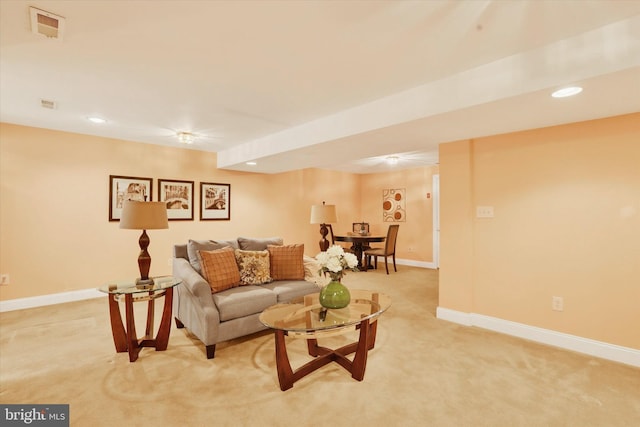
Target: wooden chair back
[(331, 240), (392, 236)]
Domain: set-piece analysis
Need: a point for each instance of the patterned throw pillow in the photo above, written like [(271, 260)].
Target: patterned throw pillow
[(220, 269), (254, 267), (287, 262)]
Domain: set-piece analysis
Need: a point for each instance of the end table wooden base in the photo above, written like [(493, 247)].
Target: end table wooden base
[(127, 339)]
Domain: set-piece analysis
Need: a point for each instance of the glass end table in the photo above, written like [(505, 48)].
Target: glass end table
[(126, 339)]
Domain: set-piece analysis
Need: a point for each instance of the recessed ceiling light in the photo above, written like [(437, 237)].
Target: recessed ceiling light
[(186, 137), (567, 91), (251, 163), (95, 119)]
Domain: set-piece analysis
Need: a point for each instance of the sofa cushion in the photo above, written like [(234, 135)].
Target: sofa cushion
[(220, 269), (286, 290), (251, 244), (254, 267), (243, 301), (194, 246), (287, 262)]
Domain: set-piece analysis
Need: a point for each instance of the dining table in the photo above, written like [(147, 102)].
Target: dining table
[(359, 244)]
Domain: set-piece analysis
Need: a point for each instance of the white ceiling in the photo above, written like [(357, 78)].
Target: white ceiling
[(331, 84)]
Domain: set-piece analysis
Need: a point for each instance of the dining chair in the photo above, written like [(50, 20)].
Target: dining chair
[(389, 249), (332, 240)]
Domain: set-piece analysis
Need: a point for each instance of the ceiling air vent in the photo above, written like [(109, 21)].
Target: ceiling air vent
[(46, 23), (46, 103)]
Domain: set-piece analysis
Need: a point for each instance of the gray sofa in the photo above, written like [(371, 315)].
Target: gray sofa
[(232, 313)]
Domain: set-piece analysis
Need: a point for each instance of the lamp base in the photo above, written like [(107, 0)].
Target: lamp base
[(144, 283), (324, 243)]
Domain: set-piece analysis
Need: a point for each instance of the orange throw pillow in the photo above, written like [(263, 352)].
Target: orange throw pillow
[(220, 269), (287, 262)]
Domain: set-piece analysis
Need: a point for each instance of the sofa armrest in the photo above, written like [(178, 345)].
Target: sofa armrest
[(193, 282), (193, 304)]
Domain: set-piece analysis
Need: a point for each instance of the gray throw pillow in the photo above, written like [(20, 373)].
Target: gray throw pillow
[(252, 244), (193, 246)]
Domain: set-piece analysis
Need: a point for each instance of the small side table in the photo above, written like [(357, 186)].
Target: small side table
[(127, 339)]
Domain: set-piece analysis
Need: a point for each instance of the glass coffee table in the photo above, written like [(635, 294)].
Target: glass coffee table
[(306, 318), (126, 339)]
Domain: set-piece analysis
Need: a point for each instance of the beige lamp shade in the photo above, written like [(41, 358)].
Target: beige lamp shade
[(323, 214), (144, 215)]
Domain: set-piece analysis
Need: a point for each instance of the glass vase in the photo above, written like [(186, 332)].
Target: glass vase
[(334, 295)]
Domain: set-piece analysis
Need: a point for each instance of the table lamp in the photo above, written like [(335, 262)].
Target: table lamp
[(144, 216), (323, 215)]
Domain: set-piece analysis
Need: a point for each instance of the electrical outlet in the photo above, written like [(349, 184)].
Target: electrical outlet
[(484, 211), (557, 303), (4, 279), (170, 262)]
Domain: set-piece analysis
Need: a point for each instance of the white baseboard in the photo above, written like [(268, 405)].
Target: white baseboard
[(31, 302), (454, 316), (616, 353), (412, 263)]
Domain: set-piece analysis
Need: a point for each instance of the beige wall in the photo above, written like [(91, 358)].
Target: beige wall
[(456, 226), (567, 223), (54, 230)]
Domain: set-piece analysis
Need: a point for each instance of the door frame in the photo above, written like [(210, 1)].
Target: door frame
[(436, 220)]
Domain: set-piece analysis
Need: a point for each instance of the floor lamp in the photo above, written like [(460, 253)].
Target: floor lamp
[(144, 216), (323, 215)]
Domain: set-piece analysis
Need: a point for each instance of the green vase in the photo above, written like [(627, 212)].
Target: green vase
[(335, 295)]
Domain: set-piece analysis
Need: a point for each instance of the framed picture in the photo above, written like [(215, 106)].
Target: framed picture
[(178, 196), (123, 188), (215, 201), (393, 205)]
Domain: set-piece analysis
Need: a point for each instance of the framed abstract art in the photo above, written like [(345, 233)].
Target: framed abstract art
[(393, 205)]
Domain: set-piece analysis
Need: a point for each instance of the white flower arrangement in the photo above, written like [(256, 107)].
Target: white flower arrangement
[(335, 261)]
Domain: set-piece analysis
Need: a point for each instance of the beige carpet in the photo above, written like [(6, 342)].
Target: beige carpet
[(423, 371)]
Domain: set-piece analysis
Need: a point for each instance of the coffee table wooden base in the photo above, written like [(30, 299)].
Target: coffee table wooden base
[(127, 339), (323, 356)]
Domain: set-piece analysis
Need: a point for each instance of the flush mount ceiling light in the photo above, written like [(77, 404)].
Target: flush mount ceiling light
[(251, 163), (392, 160), (186, 137), (567, 91), (95, 119)]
